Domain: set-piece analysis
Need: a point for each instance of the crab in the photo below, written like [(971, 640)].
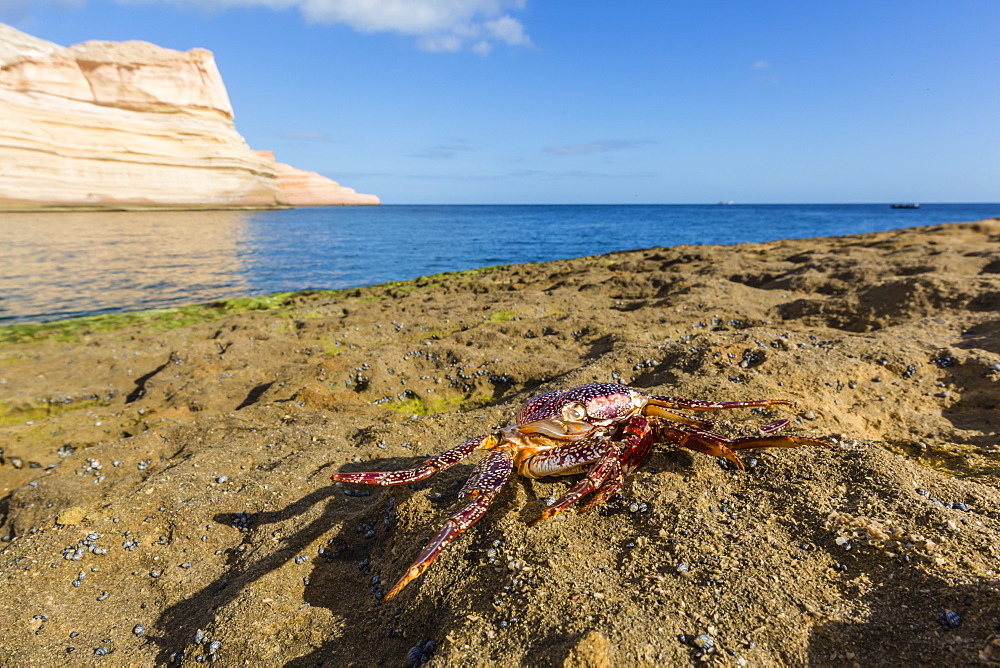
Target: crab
[(605, 430)]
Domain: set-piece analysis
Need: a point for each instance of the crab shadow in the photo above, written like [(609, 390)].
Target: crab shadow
[(182, 621), (335, 568), (368, 554)]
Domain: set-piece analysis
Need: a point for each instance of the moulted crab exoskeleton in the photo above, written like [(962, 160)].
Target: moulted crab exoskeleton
[(605, 430)]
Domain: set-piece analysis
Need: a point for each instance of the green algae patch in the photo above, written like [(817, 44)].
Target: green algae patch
[(330, 346), (502, 316), (74, 329), (415, 405), (21, 413), (431, 281)]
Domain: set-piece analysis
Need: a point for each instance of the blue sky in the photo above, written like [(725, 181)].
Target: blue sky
[(559, 101)]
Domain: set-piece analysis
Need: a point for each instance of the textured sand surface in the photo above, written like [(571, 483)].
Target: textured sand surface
[(178, 479)]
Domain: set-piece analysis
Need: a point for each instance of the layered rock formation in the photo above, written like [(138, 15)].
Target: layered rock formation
[(304, 188), (126, 124)]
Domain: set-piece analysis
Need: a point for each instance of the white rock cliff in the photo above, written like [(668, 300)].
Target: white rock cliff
[(131, 124), (303, 188)]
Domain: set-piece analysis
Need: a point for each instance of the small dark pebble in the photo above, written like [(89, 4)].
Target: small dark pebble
[(422, 653), (945, 361), (139, 630), (242, 521), (101, 651), (949, 619)]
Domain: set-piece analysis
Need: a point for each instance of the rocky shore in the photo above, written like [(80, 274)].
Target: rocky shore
[(165, 475)]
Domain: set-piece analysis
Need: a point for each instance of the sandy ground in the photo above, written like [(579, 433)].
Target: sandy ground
[(166, 493)]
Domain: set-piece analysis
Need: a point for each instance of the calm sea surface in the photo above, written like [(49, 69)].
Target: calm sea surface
[(59, 265)]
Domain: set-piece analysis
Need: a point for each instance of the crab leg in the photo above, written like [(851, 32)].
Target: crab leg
[(655, 410), (443, 461), (699, 405), (605, 491), (749, 442), (607, 468), (486, 481), (775, 427), (637, 445), (701, 441), (720, 446), (638, 442)]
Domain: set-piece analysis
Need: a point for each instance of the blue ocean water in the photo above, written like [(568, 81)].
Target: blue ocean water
[(59, 265)]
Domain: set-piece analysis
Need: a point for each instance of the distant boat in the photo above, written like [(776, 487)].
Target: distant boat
[(727, 202), (906, 206)]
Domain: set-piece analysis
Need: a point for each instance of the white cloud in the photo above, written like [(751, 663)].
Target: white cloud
[(761, 65), (438, 25), (440, 43), (508, 30), (483, 48)]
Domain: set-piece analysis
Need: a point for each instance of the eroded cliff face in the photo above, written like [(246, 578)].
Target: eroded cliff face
[(305, 188), (123, 124)]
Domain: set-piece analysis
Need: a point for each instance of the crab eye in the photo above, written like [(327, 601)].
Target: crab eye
[(575, 412)]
